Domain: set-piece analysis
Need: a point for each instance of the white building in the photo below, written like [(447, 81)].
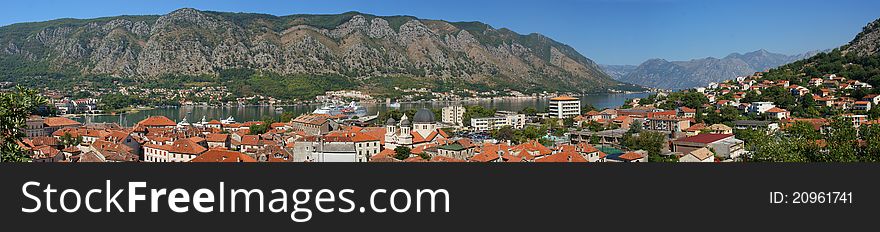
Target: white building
[(564, 107), (761, 107), (501, 119), (453, 115)]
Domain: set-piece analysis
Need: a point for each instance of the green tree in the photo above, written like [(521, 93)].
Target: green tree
[(402, 152), (68, 140), (505, 133), (647, 140), (803, 130), (15, 107)]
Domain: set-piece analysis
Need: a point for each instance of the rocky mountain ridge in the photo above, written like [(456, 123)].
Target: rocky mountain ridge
[(356, 45)]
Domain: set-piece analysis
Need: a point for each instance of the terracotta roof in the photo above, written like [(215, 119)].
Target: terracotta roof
[(186, 146), (250, 140), (490, 152), (386, 155), (696, 127), (775, 110), (563, 98), (629, 156), (217, 138), (157, 121), (563, 157), (59, 122), (414, 159), (222, 156), (214, 122), (687, 109), (91, 157)]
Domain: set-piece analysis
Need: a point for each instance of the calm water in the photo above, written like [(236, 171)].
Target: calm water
[(252, 113)]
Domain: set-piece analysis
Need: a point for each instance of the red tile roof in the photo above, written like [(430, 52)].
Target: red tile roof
[(630, 156), (157, 121), (59, 122), (186, 146), (217, 138), (224, 156)]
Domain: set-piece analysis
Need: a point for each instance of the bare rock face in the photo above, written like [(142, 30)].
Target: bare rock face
[(866, 43), (188, 41)]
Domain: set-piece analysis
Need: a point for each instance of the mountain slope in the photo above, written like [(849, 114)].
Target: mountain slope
[(354, 45), (659, 73), (857, 60), (617, 71)]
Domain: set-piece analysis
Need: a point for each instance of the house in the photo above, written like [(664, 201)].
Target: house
[(622, 121), (857, 120), (699, 155), (491, 153), (591, 153), (720, 129), (862, 105), (366, 145), (778, 113), (671, 125), (114, 152), (35, 126), (462, 149), (44, 153), (629, 157), (873, 98), (686, 112), (52, 124), (563, 157), (608, 114), (250, 143), (724, 145), (218, 140), (314, 124), (222, 156), (695, 129), (767, 126), (761, 107), (181, 150)]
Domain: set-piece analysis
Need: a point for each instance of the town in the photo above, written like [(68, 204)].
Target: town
[(706, 124)]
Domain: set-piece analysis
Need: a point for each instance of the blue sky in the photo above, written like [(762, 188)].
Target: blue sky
[(607, 31)]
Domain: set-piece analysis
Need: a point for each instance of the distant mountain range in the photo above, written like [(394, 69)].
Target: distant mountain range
[(354, 45), (675, 75)]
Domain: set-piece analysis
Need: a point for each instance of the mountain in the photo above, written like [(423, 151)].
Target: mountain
[(353, 45), (617, 71), (660, 73), (857, 60), (866, 43)]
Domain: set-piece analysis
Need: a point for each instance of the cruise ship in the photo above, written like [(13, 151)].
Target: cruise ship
[(350, 110)]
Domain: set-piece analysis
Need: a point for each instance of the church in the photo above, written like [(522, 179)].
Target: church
[(422, 130)]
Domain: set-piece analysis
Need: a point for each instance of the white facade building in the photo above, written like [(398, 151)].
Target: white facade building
[(453, 115), (564, 107)]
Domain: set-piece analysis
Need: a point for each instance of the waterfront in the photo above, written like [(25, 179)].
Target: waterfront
[(251, 113)]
